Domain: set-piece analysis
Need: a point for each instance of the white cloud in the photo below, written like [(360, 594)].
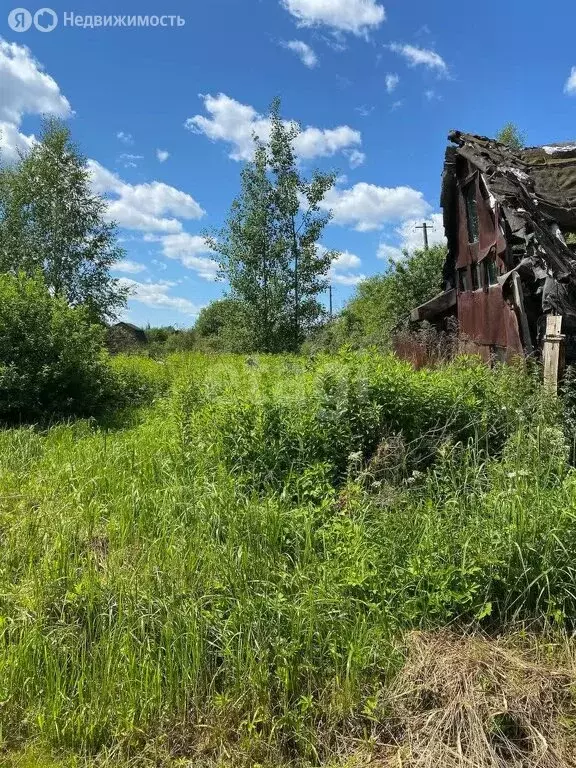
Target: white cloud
[(368, 207), (190, 250), (346, 260), (340, 268), (162, 155), (346, 279), (130, 161), (397, 105), (234, 123), (156, 295), (144, 207), (355, 16), (12, 142), (421, 57), (389, 252), (125, 138), (303, 51), (128, 267), (355, 158), (25, 89), (392, 82), (411, 238), (570, 86)]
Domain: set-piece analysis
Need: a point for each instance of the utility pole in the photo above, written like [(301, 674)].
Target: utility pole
[(425, 227), (330, 294)]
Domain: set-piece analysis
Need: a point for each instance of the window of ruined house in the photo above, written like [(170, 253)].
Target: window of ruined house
[(463, 283), (472, 212), (476, 277), (490, 271)]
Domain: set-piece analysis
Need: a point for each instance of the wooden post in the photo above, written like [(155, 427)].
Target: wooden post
[(553, 352)]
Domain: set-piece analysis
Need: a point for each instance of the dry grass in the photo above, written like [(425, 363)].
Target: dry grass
[(471, 702)]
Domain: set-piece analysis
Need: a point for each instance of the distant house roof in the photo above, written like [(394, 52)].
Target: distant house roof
[(130, 326), (127, 331)]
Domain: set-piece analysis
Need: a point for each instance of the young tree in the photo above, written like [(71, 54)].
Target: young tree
[(52, 222), (511, 135), (224, 326), (268, 250), (383, 301)]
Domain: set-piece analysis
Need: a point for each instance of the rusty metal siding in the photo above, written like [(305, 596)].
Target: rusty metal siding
[(487, 322), (486, 318)]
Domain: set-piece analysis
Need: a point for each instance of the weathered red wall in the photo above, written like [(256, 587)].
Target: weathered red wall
[(486, 320)]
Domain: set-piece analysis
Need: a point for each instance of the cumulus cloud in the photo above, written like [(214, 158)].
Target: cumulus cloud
[(346, 279), (570, 86), (190, 250), (392, 82), (25, 89), (421, 57), (235, 124), (411, 238), (346, 260), (156, 295), (368, 207), (304, 52), (389, 252), (355, 16), (355, 158), (162, 155), (150, 207), (128, 267), (341, 269)]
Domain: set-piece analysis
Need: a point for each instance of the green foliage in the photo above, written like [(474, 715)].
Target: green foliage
[(269, 250), (52, 222), (167, 340), (51, 357), (225, 325), (512, 136), (137, 381), (229, 578), (383, 302)]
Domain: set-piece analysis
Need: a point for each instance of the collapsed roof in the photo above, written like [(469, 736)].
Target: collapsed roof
[(535, 192)]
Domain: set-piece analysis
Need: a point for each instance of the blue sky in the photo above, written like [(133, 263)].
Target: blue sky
[(165, 114)]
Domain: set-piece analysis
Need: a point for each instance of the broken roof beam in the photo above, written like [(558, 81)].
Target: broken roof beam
[(440, 304)]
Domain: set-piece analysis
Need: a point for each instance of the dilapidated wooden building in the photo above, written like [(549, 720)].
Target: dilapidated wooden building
[(510, 222)]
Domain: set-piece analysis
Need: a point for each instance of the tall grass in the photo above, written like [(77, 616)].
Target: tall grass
[(234, 570)]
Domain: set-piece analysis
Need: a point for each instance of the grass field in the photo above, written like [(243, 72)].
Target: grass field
[(229, 573)]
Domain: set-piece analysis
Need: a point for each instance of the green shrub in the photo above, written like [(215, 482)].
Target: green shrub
[(268, 427), (52, 361), (137, 380)]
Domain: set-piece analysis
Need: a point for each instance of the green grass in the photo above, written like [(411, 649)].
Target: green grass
[(232, 572)]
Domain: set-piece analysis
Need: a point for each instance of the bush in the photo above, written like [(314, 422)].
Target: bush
[(52, 361), (137, 381)]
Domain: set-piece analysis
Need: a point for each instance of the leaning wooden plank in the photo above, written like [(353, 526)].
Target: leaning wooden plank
[(436, 306), (519, 302)]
